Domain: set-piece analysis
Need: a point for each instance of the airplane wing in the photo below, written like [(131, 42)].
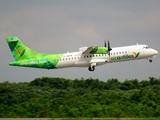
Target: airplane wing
[(87, 50)]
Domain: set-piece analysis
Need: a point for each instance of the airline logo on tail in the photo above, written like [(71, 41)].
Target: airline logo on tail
[(21, 52)]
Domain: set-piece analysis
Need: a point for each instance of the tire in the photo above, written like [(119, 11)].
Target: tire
[(91, 68)]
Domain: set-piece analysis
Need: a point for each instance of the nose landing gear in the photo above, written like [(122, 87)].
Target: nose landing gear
[(150, 60)]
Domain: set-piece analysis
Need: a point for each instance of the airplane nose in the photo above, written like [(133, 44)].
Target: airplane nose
[(155, 52)]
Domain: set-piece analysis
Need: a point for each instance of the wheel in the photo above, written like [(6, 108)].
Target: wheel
[(150, 60), (91, 68)]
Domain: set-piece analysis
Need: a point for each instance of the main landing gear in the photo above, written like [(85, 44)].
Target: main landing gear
[(91, 68)]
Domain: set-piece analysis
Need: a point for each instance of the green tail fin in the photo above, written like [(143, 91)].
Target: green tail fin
[(19, 50)]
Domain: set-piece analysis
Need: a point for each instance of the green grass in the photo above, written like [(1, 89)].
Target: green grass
[(105, 118)]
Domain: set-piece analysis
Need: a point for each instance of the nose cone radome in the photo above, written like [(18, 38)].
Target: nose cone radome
[(155, 52)]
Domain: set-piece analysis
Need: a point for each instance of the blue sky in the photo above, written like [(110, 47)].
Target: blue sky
[(58, 26)]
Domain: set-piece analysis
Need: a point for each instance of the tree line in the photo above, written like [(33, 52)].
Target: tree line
[(59, 97)]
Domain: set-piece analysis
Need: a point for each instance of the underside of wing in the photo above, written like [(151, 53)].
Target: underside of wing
[(99, 61)]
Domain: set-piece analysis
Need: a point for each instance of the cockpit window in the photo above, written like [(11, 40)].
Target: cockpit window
[(146, 47)]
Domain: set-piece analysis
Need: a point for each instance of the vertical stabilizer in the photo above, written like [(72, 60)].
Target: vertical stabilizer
[(19, 50)]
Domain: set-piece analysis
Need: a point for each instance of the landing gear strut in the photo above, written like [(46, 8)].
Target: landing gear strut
[(91, 68)]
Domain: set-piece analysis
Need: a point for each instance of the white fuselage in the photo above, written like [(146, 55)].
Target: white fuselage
[(118, 54)]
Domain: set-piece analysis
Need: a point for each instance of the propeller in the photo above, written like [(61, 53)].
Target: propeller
[(105, 43), (109, 48)]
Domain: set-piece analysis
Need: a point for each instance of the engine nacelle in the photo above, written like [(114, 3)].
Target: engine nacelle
[(100, 50)]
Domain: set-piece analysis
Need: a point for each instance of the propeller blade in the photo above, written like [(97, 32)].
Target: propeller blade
[(109, 54), (105, 45), (109, 49)]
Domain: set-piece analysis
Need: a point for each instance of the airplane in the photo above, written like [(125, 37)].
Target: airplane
[(86, 56)]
